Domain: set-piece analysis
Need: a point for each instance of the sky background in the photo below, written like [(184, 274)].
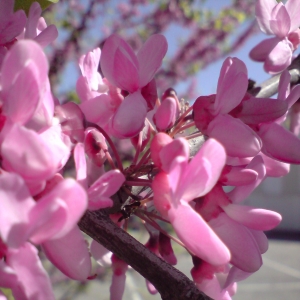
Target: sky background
[(206, 79)]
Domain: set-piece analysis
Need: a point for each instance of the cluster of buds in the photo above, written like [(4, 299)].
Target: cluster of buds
[(184, 158)]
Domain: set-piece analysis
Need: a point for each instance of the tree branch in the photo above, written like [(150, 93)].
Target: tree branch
[(170, 283), (270, 87)]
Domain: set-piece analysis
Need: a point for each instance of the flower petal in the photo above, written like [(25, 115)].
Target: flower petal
[(254, 218), (263, 10), (34, 282), (128, 122), (242, 140), (119, 64), (279, 58), (16, 203), (70, 254), (197, 235), (203, 171), (244, 250), (293, 7), (150, 57), (280, 143)]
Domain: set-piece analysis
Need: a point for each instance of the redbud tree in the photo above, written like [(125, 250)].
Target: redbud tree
[(78, 177)]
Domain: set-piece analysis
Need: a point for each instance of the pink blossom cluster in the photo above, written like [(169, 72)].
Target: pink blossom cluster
[(283, 21), (165, 183)]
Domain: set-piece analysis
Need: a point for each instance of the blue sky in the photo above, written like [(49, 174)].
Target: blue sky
[(206, 78)]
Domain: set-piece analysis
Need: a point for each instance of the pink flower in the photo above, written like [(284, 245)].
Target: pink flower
[(41, 155), (103, 188), (283, 22), (37, 29), (25, 275), (117, 287), (211, 113), (180, 182), (25, 89), (51, 222), (11, 24), (130, 72)]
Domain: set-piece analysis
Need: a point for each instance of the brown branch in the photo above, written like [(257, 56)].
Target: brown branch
[(170, 283)]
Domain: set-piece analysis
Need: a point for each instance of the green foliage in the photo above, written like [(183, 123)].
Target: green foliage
[(73, 97), (25, 4), (238, 15), (7, 293)]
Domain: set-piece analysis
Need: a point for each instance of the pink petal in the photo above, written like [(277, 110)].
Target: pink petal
[(235, 275), (46, 219), (71, 121), (162, 193), (117, 287), (212, 288), (80, 164), (232, 85), (197, 235), (261, 240), (151, 288), (279, 58), (43, 116), (98, 110), (149, 92), (245, 253), (280, 23), (293, 7), (119, 64), (74, 197), (118, 278), (254, 218), (242, 141), (150, 57), (100, 202), (32, 21), (103, 188), (95, 146), (261, 110), (203, 171), (128, 122), (16, 204), (262, 50), (263, 10), (108, 184), (171, 151), (279, 143), (34, 282), (275, 168), (237, 176), (8, 277), (70, 254), (18, 57), (22, 98), (166, 250), (12, 24), (159, 141), (58, 143), (7, 9), (47, 36), (164, 118), (83, 90), (240, 193), (176, 172), (89, 67)]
